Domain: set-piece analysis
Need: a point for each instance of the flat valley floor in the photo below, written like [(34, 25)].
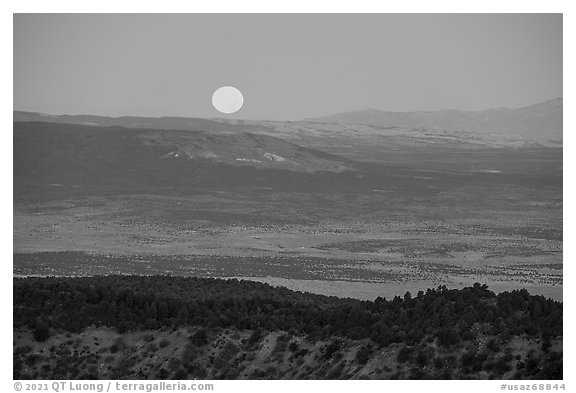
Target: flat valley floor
[(360, 245)]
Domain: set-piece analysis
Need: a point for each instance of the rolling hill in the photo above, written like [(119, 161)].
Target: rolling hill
[(157, 123), (72, 158)]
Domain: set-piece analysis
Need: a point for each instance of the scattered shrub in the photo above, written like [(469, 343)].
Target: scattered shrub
[(200, 338), (404, 355), (148, 337), (118, 345), (293, 346), (332, 348), (364, 353), (41, 331)]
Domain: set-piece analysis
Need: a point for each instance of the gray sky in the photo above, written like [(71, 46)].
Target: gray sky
[(288, 66)]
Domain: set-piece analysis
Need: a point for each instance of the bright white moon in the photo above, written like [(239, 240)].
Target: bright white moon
[(227, 99)]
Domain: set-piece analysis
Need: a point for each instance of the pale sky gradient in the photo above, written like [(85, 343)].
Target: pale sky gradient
[(288, 66)]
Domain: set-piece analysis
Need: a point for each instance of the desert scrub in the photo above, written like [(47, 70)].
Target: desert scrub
[(118, 345), (148, 337), (227, 354), (364, 353)]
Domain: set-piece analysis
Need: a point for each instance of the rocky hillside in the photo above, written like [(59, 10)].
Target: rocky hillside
[(194, 353)]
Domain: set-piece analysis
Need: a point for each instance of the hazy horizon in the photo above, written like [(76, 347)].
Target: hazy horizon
[(224, 116), (288, 66)]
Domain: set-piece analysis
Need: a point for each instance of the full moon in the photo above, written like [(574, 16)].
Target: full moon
[(227, 99)]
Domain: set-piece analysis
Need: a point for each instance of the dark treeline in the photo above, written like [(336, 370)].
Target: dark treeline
[(129, 303)]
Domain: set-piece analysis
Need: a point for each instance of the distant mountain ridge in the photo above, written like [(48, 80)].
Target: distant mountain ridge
[(534, 126), (541, 122)]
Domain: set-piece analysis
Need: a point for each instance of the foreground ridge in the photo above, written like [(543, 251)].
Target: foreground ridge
[(176, 327)]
